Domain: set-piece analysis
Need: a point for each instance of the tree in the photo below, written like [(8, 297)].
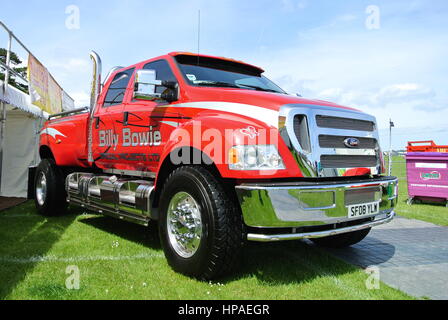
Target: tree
[(15, 62)]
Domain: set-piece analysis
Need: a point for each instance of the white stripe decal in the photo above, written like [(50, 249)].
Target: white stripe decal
[(170, 123), (52, 132), (431, 165), (270, 117)]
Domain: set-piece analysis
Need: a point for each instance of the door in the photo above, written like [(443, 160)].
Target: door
[(108, 122), (148, 124)]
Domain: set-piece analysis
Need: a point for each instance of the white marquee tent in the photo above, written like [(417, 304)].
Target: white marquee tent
[(19, 128), (20, 141)]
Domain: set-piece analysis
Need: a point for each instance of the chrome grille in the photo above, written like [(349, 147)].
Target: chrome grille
[(327, 141), (301, 130), (344, 123), (347, 161), (317, 136)]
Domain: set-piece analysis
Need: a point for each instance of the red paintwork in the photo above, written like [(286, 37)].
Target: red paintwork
[(357, 172), (425, 146), (72, 149)]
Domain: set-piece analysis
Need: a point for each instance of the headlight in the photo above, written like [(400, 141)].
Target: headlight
[(255, 157)]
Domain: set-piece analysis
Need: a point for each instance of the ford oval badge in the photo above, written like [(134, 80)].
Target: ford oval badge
[(351, 142)]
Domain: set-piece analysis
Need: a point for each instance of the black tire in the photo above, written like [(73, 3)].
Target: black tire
[(54, 203), (342, 240), (218, 251)]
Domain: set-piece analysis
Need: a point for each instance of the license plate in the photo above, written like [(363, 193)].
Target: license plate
[(363, 210)]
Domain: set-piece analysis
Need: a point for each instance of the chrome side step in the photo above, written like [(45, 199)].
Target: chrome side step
[(125, 199)]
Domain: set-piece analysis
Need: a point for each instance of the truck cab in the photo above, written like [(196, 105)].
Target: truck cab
[(218, 155)]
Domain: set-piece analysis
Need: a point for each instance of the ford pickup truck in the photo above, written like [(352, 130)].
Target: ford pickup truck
[(217, 155)]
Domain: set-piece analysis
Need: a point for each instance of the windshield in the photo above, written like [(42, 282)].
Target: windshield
[(211, 75)]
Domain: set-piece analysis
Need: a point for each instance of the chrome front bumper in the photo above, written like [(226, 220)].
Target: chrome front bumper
[(312, 209)]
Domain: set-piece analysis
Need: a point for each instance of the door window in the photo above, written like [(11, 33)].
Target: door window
[(117, 89), (163, 72)]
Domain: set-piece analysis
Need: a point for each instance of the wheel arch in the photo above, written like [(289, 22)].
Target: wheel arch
[(167, 167), (46, 153)]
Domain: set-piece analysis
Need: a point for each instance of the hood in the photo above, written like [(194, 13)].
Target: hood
[(267, 100)]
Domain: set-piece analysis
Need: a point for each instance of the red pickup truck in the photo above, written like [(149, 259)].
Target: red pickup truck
[(217, 154)]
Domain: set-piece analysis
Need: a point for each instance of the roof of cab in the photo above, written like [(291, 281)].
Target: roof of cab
[(180, 53)]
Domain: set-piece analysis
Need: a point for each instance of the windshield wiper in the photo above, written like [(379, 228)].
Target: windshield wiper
[(216, 83), (231, 85), (258, 88)]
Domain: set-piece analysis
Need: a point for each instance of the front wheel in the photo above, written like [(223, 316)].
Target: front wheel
[(342, 240), (50, 196), (199, 225)]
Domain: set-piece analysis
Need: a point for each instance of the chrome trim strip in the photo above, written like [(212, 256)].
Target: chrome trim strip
[(66, 113), (317, 186), (126, 216), (348, 152), (345, 132), (318, 234), (131, 173), (110, 73)]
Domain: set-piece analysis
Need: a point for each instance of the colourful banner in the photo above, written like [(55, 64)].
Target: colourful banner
[(67, 102), (44, 90), (54, 96)]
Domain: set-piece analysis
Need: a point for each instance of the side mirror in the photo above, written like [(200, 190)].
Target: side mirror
[(145, 86)]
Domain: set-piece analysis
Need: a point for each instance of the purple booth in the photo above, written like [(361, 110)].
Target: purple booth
[(427, 174)]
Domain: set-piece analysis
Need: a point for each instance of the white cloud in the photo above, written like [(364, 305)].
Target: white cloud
[(302, 4), (69, 65), (293, 5), (385, 73), (347, 17), (412, 94), (82, 99), (404, 93)]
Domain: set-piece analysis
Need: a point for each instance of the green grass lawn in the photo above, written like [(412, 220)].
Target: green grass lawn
[(434, 213), (118, 260)]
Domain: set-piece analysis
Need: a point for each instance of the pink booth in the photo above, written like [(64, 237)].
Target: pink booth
[(427, 174)]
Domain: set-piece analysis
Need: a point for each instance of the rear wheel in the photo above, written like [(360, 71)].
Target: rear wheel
[(342, 240), (199, 226), (50, 196)]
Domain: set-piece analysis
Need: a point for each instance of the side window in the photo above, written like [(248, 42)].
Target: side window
[(117, 88), (163, 72)]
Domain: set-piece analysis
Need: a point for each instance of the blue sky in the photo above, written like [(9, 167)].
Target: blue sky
[(320, 49)]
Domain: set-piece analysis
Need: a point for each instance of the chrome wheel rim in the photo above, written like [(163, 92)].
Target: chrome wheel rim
[(41, 189), (184, 224)]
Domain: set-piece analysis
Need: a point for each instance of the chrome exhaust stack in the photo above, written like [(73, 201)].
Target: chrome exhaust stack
[(95, 88), (123, 198), (95, 91)]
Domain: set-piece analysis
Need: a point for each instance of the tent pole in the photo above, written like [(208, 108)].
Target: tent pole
[(3, 119)]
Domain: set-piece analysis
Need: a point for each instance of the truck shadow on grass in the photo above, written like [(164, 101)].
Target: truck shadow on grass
[(369, 252), (271, 263), (148, 236), (25, 238), (291, 262)]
